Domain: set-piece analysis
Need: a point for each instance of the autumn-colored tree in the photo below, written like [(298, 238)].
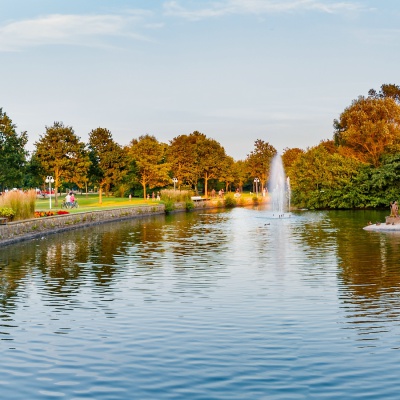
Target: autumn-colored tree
[(149, 158), (387, 90), (259, 161), (12, 153), (228, 172), (241, 174), (290, 155), (182, 158), (109, 161), (368, 129), (211, 158), (62, 155)]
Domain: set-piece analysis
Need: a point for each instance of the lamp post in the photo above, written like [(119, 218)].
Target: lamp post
[(256, 180), (49, 180), (175, 180)]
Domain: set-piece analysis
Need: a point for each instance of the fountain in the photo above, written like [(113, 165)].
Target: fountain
[(279, 189)]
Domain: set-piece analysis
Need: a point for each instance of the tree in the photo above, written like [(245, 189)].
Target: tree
[(228, 172), (259, 161), (12, 153), (289, 156), (62, 155), (325, 180), (387, 90), (182, 158), (368, 129), (148, 156), (108, 160), (211, 157)]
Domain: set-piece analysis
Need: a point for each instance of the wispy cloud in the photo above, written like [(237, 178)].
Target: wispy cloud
[(69, 30), (257, 7)]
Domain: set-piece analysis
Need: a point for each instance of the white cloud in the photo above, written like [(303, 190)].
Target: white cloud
[(257, 7), (67, 29)]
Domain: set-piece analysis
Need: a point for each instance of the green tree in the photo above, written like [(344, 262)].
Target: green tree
[(259, 161), (12, 153), (148, 156), (62, 155), (109, 163), (325, 180)]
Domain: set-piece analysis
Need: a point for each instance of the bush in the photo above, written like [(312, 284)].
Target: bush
[(189, 205), (8, 213), (169, 205), (229, 200), (255, 200)]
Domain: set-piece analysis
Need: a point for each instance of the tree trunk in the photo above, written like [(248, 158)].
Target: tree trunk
[(100, 195)]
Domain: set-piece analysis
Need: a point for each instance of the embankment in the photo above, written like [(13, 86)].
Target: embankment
[(32, 228)]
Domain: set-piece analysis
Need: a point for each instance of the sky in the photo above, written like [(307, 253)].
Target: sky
[(236, 70)]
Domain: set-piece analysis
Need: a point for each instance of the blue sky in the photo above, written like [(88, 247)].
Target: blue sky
[(235, 70)]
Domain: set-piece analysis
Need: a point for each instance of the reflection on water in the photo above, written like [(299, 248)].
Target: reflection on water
[(219, 304)]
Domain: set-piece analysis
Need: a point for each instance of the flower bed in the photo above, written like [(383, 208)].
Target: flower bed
[(40, 214)]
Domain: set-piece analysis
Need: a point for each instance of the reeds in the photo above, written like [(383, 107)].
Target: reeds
[(177, 196), (22, 203)]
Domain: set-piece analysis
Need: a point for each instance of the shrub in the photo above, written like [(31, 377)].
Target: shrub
[(8, 213), (229, 200), (255, 200), (189, 205), (169, 205)]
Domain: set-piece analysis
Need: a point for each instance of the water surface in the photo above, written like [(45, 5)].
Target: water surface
[(212, 305)]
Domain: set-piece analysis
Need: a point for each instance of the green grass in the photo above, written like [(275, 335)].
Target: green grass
[(91, 203)]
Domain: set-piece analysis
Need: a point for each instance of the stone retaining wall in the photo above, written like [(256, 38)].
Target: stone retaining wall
[(31, 228), (28, 229)]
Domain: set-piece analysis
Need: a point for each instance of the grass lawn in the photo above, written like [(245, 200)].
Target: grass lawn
[(90, 202)]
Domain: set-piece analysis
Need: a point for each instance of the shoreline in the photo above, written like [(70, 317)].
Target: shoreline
[(18, 231)]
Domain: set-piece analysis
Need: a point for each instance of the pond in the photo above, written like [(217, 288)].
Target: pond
[(226, 304)]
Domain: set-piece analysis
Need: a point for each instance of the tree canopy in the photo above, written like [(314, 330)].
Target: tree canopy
[(62, 155), (12, 153)]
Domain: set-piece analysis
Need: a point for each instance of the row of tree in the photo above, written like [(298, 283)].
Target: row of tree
[(359, 167), (195, 160)]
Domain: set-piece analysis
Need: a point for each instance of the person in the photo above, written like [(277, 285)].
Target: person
[(158, 196), (130, 197), (72, 198), (68, 200), (395, 208)]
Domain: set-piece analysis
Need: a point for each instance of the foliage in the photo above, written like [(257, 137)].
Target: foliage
[(12, 153), (148, 158), (62, 155), (229, 200), (368, 129), (255, 200), (289, 156), (169, 205), (6, 212), (324, 180), (183, 160), (189, 205), (211, 158), (259, 161), (109, 163)]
